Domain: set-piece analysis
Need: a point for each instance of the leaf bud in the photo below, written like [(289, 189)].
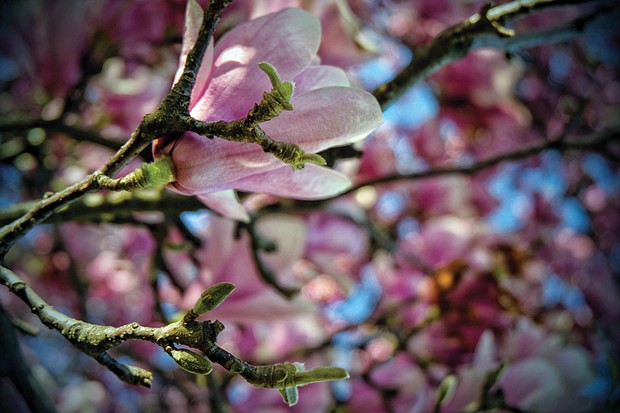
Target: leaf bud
[(159, 172), (213, 297), (320, 374), (190, 361), (290, 395), (446, 389)]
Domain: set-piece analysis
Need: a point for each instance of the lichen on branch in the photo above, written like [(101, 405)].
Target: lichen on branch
[(95, 340)]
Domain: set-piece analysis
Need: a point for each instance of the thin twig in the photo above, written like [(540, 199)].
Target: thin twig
[(95, 341), (58, 125), (165, 121), (258, 244), (13, 365), (595, 142), (119, 208), (484, 29)]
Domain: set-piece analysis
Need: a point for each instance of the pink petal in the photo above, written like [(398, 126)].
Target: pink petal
[(203, 77), (193, 20), (326, 117), (252, 299), (262, 7), (288, 233), (532, 384), (225, 203), (484, 357), (321, 118), (314, 77), (205, 165), (312, 182), (288, 40)]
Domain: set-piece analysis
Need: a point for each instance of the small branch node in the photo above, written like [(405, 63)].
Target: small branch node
[(128, 374)]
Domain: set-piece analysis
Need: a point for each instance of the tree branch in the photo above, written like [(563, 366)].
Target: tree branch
[(113, 207), (12, 364), (58, 125), (95, 340), (484, 29), (182, 90), (257, 244), (597, 142), (165, 121)]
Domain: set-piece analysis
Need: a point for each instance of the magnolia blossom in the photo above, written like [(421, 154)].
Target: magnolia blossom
[(116, 263), (546, 374), (343, 44), (327, 112), (42, 44), (471, 377), (335, 244), (229, 259)]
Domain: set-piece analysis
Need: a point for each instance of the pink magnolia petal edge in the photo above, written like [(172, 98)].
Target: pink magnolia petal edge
[(193, 20), (320, 76), (288, 40), (194, 16), (326, 117), (225, 203), (312, 182), (204, 165)]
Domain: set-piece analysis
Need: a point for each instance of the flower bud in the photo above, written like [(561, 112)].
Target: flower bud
[(446, 389), (290, 395), (212, 297), (190, 361), (319, 374), (158, 172)]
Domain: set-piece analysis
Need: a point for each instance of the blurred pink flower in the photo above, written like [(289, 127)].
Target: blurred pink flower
[(327, 112), (413, 392), (443, 239), (116, 261), (366, 399), (44, 43), (335, 244), (140, 22), (229, 259), (271, 326), (550, 381), (471, 377), (343, 44), (378, 158), (122, 94), (484, 78)]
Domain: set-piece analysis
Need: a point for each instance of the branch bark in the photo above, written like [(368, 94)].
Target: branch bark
[(597, 142), (163, 122), (484, 29), (13, 365), (58, 125), (95, 340)]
